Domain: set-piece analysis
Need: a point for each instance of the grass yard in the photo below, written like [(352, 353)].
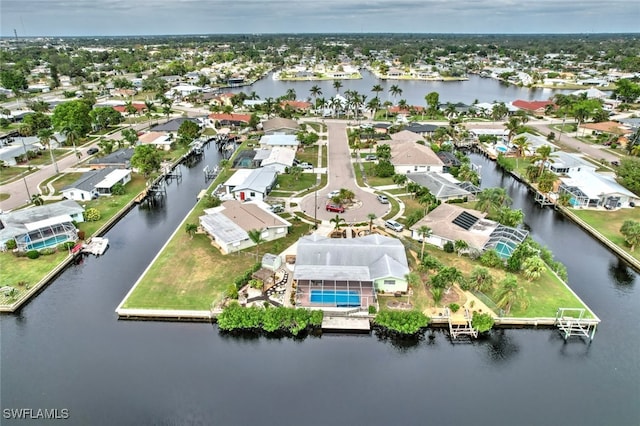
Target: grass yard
[(64, 180), (309, 155), (374, 180), (395, 208), (288, 183), (322, 184), (609, 223), (45, 157), (411, 205), (10, 173), (16, 270)]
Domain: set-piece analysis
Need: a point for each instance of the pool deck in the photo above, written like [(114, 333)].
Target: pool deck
[(344, 323)]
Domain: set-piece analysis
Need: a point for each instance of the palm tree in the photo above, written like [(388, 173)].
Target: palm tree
[(71, 133), (337, 85), (338, 222), (492, 199), (315, 92), (46, 136), (374, 105), (255, 235), (510, 293), (533, 267), (291, 94), (399, 179), (459, 246), (546, 181), (37, 200), (481, 279), (371, 217), (513, 125), (395, 90), (522, 145), (424, 232), (191, 229), (543, 156), (377, 89), (427, 200)]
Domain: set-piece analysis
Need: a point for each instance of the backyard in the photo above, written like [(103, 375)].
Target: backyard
[(609, 223)]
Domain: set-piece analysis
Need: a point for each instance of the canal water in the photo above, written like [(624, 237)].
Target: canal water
[(67, 349), (413, 91)]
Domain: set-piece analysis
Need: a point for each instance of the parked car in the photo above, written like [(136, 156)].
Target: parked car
[(306, 166), (371, 157), (383, 199), (276, 208), (336, 208), (92, 151), (392, 224), (333, 193)]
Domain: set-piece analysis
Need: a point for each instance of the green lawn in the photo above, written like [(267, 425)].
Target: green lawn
[(64, 180), (289, 183), (45, 158), (395, 208), (411, 205), (609, 223), (15, 270), (309, 155), (371, 179), (322, 184), (10, 173)]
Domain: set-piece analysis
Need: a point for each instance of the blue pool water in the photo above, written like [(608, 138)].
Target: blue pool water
[(501, 148), (49, 242), (505, 249), (342, 298)]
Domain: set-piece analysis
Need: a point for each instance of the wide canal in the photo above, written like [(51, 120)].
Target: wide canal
[(67, 349)]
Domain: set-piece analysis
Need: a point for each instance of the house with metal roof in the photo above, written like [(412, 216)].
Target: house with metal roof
[(450, 223), (251, 184), (228, 225), (565, 163), (442, 185), (95, 183), (279, 158), (347, 272), (39, 227), (280, 141), (590, 189)]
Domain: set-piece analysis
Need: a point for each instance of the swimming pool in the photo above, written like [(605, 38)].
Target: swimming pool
[(340, 298), (505, 249), (49, 242), (501, 148)]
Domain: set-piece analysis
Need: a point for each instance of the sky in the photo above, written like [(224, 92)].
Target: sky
[(151, 17)]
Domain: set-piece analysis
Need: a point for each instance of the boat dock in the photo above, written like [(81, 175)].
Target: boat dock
[(346, 323), (96, 246)]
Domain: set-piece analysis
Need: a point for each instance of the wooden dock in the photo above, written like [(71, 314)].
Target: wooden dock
[(346, 323)]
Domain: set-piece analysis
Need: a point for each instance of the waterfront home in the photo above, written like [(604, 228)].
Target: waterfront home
[(533, 107), (279, 158), (347, 272), (450, 223), (408, 156), (443, 186), (228, 120), (229, 224), (279, 125), (160, 140), (535, 142), (119, 159), (251, 184), (41, 227), (566, 163), (182, 91), (173, 125), (297, 106), (590, 189), (95, 183), (449, 160), (280, 141), (421, 129)]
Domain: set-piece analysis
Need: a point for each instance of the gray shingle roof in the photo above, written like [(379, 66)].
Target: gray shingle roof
[(438, 185), (173, 125), (119, 157), (89, 180)]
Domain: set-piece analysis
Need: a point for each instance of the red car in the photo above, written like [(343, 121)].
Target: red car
[(336, 208)]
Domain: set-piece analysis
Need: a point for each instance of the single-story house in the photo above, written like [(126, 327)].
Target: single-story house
[(120, 159), (41, 227), (535, 142), (406, 135), (421, 129), (182, 90), (442, 185), (228, 225), (408, 156), (12, 148), (278, 158), (95, 183), (605, 127), (347, 272), (449, 160), (590, 189), (565, 163), (301, 106), (533, 107), (251, 184), (278, 125), (450, 222), (122, 109), (280, 141), (229, 119), (174, 124), (160, 140)]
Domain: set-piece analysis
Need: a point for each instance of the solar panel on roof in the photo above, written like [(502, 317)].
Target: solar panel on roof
[(465, 220)]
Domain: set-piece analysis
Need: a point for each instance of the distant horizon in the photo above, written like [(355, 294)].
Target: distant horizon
[(112, 18)]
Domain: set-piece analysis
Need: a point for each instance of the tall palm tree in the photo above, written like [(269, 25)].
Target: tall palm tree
[(510, 293), (191, 229), (543, 155), (337, 85), (291, 94), (338, 222), (46, 136), (315, 92), (37, 200), (512, 125), (533, 267), (424, 232), (492, 199), (255, 235), (371, 217), (72, 134), (377, 89), (374, 105), (395, 90), (522, 145)]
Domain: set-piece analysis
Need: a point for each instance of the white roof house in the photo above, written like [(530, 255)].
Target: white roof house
[(535, 142), (590, 189), (442, 185), (564, 163), (95, 183), (408, 156), (279, 140), (279, 158)]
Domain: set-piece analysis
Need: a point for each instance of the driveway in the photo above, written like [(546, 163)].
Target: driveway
[(341, 175)]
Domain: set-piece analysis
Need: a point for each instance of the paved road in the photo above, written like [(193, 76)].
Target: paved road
[(341, 175), (596, 152)]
